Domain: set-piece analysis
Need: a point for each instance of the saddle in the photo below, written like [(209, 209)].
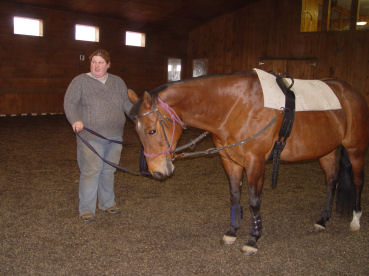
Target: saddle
[(286, 128)]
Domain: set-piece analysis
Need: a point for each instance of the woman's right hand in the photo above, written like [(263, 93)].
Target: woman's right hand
[(77, 126)]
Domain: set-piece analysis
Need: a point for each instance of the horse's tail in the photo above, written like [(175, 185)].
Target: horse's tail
[(345, 198)]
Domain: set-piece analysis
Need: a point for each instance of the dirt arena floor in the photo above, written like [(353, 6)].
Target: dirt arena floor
[(166, 228)]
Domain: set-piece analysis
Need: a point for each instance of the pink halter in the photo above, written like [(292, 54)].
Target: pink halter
[(175, 119)]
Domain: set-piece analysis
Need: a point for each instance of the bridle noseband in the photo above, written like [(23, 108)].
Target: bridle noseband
[(174, 119)]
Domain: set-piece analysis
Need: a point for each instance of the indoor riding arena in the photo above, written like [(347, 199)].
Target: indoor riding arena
[(173, 226)]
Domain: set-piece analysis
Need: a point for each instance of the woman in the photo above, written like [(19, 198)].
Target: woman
[(97, 100)]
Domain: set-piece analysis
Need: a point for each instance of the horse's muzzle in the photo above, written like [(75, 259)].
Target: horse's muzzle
[(167, 172), (159, 176)]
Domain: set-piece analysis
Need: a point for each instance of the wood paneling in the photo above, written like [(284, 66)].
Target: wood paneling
[(269, 28), (43, 67), (36, 71), (176, 16), (305, 68), (19, 103)]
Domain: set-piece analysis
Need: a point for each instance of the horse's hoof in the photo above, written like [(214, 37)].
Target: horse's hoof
[(355, 223), (319, 228), (354, 228), (249, 250), (228, 240)]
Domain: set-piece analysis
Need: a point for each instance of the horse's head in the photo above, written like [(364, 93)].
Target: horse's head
[(159, 129)]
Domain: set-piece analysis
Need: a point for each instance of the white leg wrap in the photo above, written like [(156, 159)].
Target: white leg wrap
[(355, 223)]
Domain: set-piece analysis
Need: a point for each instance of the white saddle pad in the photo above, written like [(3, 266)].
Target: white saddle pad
[(311, 95)]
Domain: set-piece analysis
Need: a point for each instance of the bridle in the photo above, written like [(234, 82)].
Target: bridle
[(173, 118)]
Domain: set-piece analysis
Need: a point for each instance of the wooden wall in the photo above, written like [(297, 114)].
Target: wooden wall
[(35, 71), (268, 32)]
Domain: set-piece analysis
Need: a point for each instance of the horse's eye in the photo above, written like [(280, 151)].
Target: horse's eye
[(152, 131)]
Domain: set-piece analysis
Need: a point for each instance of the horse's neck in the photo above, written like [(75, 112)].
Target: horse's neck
[(190, 105)]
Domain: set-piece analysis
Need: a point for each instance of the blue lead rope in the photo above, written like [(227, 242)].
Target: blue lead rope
[(105, 160), (110, 140)]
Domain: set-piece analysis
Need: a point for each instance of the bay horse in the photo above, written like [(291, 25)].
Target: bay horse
[(231, 108)]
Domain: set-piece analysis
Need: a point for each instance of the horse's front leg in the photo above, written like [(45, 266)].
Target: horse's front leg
[(235, 175), (255, 176)]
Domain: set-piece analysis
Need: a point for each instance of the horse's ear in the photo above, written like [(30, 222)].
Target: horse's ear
[(132, 96), (147, 100)]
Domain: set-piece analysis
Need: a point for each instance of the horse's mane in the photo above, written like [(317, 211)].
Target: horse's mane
[(162, 87), (155, 92)]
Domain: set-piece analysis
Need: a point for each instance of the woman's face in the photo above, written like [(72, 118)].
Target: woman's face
[(99, 67)]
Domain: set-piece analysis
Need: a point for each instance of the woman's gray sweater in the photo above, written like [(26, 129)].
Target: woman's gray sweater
[(99, 106)]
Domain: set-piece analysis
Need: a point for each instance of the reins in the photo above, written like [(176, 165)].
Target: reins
[(216, 150), (175, 119), (105, 160), (110, 140), (193, 142)]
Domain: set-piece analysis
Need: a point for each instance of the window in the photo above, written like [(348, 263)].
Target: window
[(86, 33), (174, 69), (311, 15), (200, 67), (340, 14), (135, 39), (27, 26), (363, 15), (334, 15)]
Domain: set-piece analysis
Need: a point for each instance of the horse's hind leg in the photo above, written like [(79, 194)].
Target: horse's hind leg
[(235, 175), (357, 159), (329, 165), (349, 182)]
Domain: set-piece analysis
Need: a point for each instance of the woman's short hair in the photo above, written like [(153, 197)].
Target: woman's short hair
[(102, 53)]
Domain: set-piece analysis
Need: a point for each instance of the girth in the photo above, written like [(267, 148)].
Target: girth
[(286, 128)]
